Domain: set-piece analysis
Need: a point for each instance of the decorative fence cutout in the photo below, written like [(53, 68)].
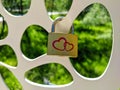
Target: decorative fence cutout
[(95, 41), (34, 36), (20, 9), (54, 10), (3, 28), (9, 79), (7, 54), (55, 75)]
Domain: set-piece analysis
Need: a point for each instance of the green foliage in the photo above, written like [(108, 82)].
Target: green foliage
[(34, 41), (94, 41), (97, 15), (10, 79), (3, 29), (17, 7), (94, 53), (58, 5), (50, 73), (7, 55)]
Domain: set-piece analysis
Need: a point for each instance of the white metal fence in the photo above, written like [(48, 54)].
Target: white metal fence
[(110, 80)]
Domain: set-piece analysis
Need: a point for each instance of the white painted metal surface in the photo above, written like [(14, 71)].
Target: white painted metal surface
[(37, 14)]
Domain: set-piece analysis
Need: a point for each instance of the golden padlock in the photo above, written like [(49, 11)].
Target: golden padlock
[(62, 44)]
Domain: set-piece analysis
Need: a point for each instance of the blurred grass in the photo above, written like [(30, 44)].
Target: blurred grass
[(7, 55), (34, 41), (3, 29), (10, 80), (94, 48), (50, 73)]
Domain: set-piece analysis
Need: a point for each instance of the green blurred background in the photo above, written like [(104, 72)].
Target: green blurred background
[(93, 27)]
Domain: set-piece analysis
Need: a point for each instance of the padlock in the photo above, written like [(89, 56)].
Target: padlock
[(62, 44)]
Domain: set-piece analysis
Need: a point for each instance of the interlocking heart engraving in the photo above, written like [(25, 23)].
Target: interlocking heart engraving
[(64, 45)]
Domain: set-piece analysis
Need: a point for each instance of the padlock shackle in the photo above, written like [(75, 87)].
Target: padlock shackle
[(54, 23), (57, 20)]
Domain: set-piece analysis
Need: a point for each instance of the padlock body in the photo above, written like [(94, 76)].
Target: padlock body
[(62, 44)]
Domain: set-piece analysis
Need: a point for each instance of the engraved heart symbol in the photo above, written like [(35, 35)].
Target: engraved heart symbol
[(59, 44), (62, 45), (69, 46)]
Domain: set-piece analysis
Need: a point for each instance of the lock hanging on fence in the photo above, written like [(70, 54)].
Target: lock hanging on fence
[(62, 44)]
